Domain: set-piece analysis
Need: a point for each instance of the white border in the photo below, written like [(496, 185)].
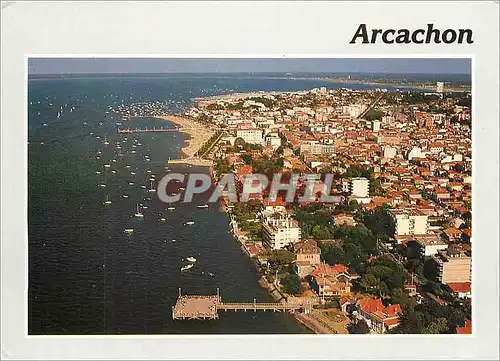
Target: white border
[(485, 126)]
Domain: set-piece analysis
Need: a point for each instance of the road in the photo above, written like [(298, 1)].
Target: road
[(371, 106)]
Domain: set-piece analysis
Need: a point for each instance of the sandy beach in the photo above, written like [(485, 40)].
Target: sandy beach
[(199, 133)]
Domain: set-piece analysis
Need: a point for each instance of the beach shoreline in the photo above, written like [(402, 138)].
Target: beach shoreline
[(198, 133)]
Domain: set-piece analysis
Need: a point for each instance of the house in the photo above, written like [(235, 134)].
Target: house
[(307, 255), (466, 329), (332, 281), (343, 220), (461, 289), (379, 317), (452, 234)]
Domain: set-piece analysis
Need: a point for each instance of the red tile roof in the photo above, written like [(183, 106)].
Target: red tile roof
[(467, 329), (460, 287)]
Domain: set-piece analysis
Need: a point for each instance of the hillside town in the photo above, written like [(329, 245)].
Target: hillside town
[(392, 252)]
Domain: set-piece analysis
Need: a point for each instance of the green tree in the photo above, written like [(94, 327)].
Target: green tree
[(359, 327), (291, 284)]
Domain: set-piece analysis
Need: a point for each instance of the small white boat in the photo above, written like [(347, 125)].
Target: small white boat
[(102, 185), (138, 213), (128, 230), (203, 206), (211, 274), (170, 208), (191, 259), (173, 241), (107, 165), (125, 196), (133, 173), (152, 189), (145, 207), (113, 171), (190, 223), (143, 187), (185, 268), (107, 201), (149, 171), (97, 172), (163, 219), (130, 183)]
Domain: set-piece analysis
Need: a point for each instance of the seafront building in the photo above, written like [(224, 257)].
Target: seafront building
[(280, 232)]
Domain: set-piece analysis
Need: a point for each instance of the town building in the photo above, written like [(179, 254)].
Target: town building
[(379, 318), (307, 255), (452, 265), (250, 135), (409, 221), (316, 148), (360, 187), (280, 232), (330, 281)]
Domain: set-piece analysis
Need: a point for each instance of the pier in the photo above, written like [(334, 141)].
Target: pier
[(147, 130), (191, 307)]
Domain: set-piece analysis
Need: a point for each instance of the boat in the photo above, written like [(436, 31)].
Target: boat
[(190, 223), (102, 185), (125, 196), (130, 183), (128, 230), (163, 219), (106, 140), (211, 274), (97, 172), (107, 165), (203, 206), (173, 240), (170, 208), (139, 214), (133, 173), (152, 189), (191, 259), (143, 187), (113, 171), (188, 267), (107, 201)]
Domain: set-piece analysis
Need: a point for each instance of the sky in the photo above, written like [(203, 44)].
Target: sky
[(205, 65)]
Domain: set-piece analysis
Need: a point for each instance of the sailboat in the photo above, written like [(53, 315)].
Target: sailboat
[(106, 140), (152, 189), (139, 214), (107, 201)]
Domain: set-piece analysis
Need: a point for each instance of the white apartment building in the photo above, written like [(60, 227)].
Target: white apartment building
[(251, 135), (375, 125), (409, 221), (439, 87), (353, 110), (280, 232), (317, 148), (360, 187), (390, 152), (273, 140)]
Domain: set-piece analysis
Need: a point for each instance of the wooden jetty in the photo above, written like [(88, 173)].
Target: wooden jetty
[(190, 307), (146, 130)]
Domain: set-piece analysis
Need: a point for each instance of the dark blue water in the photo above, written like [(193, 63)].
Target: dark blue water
[(86, 276)]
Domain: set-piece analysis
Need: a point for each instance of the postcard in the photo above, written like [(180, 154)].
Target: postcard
[(221, 180)]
